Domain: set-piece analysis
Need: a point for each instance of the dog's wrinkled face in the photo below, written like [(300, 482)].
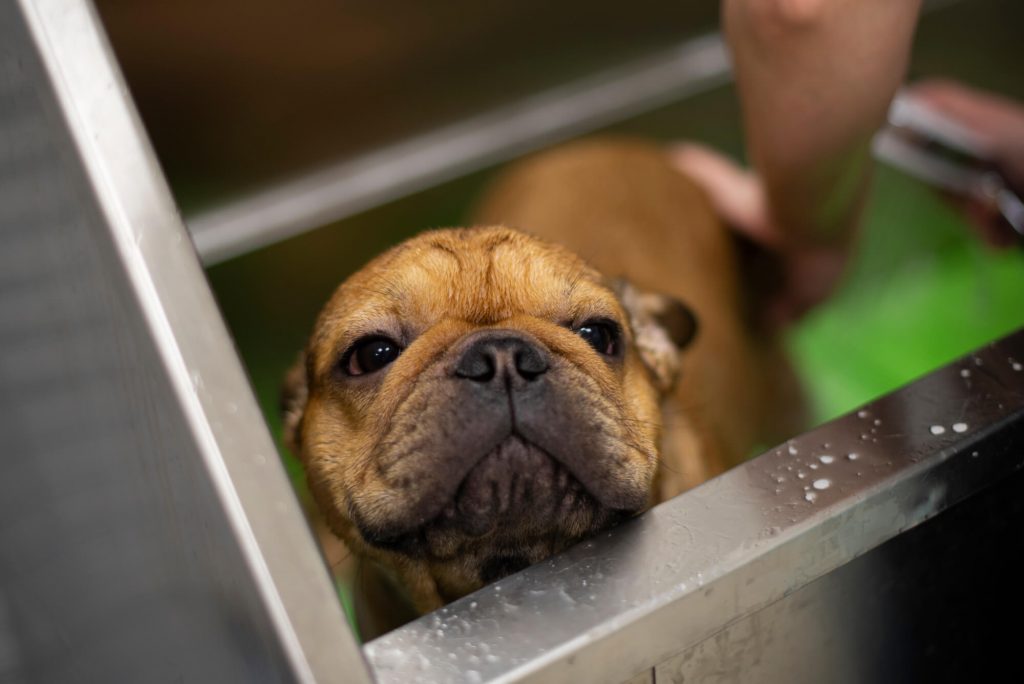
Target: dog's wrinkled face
[(475, 400)]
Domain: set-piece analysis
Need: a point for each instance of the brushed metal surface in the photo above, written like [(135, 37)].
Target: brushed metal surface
[(923, 607), (673, 579), (147, 529)]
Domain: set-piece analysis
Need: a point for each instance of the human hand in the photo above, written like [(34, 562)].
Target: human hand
[(997, 124), (809, 273)]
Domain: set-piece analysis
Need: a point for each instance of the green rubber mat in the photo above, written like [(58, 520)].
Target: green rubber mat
[(921, 291)]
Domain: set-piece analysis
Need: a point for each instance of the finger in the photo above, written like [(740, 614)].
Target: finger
[(989, 223), (984, 220), (735, 193), (989, 116)]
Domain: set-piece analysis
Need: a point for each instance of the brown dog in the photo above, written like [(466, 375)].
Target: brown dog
[(475, 400)]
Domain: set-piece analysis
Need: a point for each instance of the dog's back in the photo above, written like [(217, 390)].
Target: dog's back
[(622, 207)]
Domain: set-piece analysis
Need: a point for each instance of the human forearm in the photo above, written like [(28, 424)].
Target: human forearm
[(815, 79)]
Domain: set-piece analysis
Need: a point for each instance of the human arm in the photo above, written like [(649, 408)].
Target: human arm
[(815, 79)]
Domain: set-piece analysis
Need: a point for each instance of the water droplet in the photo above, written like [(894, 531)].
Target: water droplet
[(491, 658), (937, 429), (878, 421), (473, 677), (959, 427), (473, 605), (780, 479), (801, 474), (823, 483), (792, 450), (862, 414), (965, 372), (810, 496), (439, 634), (814, 466), (977, 360), (1016, 365), (826, 458), (853, 456), (974, 454)]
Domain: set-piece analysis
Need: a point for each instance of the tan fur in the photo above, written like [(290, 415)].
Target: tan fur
[(661, 422)]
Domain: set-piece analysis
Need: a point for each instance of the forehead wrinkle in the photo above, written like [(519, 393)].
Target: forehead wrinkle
[(448, 252), (590, 299), (518, 281)]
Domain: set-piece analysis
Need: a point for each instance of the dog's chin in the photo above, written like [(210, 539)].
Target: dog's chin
[(517, 499)]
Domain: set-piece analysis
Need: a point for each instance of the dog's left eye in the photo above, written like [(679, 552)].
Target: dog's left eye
[(370, 354), (603, 337)]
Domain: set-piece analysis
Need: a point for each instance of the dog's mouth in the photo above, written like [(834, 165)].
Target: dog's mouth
[(516, 496), (519, 484)]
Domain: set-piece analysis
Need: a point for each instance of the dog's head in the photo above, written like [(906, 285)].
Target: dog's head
[(475, 400)]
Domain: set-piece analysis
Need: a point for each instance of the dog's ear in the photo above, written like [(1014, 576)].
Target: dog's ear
[(662, 327), (294, 394)]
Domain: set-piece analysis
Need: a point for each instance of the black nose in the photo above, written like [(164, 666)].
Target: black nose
[(501, 354)]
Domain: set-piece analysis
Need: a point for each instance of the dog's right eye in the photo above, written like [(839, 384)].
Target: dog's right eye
[(370, 354)]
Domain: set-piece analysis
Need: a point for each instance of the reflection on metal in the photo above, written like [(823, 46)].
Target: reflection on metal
[(147, 529), (755, 573), (449, 152)]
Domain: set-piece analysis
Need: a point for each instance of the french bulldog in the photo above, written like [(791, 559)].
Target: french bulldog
[(477, 399)]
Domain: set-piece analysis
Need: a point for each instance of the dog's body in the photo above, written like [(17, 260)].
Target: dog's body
[(475, 400)]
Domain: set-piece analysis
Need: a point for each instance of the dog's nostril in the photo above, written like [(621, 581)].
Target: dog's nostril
[(476, 365), (529, 363), (491, 357)]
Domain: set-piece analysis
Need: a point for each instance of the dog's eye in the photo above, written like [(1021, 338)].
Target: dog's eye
[(370, 354), (603, 337)]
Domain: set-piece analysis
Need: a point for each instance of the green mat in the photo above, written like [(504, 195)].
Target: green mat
[(921, 291)]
